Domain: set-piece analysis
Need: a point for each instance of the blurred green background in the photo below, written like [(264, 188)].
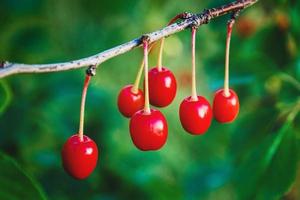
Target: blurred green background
[(256, 157)]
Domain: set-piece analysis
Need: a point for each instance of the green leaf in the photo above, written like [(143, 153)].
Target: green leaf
[(5, 96), (16, 184), (269, 170), (282, 170)]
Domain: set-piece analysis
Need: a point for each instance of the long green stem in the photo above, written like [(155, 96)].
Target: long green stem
[(226, 79), (160, 55), (136, 84), (194, 89), (147, 104), (81, 120), (162, 41), (135, 88)]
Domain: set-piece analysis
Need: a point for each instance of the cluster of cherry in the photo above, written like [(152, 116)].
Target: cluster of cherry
[(148, 127)]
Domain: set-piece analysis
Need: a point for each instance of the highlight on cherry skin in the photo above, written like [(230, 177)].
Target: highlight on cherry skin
[(225, 108), (79, 157), (130, 102), (148, 131), (195, 115), (162, 86)]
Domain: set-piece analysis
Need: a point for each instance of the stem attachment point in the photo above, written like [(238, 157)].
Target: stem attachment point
[(91, 70)]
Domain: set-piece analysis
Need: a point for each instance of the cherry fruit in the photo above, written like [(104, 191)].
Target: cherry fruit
[(148, 131), (79, 157), (226, 103), (130, 102), (148, 127), (195, 115), (225, 108), (162, 86)]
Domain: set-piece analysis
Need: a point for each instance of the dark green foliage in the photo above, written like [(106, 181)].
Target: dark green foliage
[(15, 183)]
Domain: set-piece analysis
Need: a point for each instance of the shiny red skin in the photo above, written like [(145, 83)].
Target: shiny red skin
[(79, 158), (195, 116), (129, 102), (148, 132), (162, 87), (225, 109)]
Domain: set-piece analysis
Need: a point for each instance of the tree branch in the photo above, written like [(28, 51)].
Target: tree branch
[(8, 68)]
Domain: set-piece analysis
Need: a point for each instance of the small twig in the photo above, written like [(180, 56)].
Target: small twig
[(9, 68)]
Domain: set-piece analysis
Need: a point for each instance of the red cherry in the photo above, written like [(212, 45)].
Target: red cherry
[(225, 108), (79, 158), (162, 87), (148, 131), (195, 116), (129, 102)]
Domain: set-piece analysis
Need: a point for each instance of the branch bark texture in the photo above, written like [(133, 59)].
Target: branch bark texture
[(9, 68)]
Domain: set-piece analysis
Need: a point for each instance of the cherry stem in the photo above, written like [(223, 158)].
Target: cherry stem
[(159, 61), (81, 121), (194, 89), (147, 105), (226, 79), (135, 88), (162, 41), (178, 16)]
